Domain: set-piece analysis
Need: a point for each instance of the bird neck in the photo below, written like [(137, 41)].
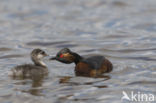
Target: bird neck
[(77, 59), (38, 62)]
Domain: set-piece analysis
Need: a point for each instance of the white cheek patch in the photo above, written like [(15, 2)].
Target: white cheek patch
[(39, 56)]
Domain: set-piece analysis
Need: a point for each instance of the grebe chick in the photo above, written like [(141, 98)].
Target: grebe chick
[(28, 70), (91, 66)]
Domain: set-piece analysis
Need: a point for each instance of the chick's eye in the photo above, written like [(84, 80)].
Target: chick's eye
[(61, 56)]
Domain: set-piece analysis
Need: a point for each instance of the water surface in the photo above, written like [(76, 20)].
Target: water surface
[(121, 30)]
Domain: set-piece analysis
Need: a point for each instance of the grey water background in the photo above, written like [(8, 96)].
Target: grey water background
[(124, 31)]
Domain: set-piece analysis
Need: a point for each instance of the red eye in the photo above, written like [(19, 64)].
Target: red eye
[(61, 56)]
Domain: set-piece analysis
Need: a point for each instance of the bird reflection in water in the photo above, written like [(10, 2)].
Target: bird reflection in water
[(67, 79), (35, 83)]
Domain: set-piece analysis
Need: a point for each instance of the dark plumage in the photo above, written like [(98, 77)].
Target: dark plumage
[(28, 70), (91, 66)]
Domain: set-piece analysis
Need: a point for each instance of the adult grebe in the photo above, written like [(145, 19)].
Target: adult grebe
[(91, 66)]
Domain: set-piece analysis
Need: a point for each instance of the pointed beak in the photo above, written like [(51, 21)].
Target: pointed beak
[(52, 58)]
